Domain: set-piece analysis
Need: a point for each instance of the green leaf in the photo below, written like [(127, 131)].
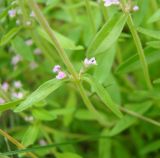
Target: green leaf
[(7, 37), (151, 147), (65, 42), (126, 121), (133, 62), (108, 35), (83, 114), (21, 48), (154, 44), (43, 114), (157, 81), (150, 33), (67, 155), (104, 96), (155, 17), (10, 105), (30, 135), (105, 62), (105, 146), (41, 93)]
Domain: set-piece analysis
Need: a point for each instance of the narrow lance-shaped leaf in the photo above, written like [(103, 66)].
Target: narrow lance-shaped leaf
[(155, 17), (30, 135), (126, 121), (65, 42), (7, 37), (108, 35), (41, 93), (133, 62), (150, 33), (104, 96)]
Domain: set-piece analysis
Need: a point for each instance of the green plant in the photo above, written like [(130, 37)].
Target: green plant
[(79, 78)]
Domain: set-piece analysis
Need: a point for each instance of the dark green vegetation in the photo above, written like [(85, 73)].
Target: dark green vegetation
[(104, 99)]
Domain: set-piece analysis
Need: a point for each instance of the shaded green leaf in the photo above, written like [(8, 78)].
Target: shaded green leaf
[(67, 155), (104, 96), (65, 42), (30, 135), (21, 48), (108, 35), (155, 17), (133, 62), (8, 36), (41, 93), (43, 114), (126, 121), (150, 33)]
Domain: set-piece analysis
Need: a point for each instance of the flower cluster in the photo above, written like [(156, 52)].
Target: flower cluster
[(108, 3), (16, 12), (13, 91), (128, 7), (90, 62), (60, 74)]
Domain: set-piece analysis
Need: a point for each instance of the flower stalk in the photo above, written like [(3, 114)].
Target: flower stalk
[(43, 22)]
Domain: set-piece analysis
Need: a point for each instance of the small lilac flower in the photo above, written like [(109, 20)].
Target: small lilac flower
[(37, 51), (2, 101), (57, 68), (12, 13), (135, 8), (17, 95), (17, 84), (29, 42), (61, 75), (42, 142), (16, 59), (5, 86), (33, 65), (32, 14), (89, 62)]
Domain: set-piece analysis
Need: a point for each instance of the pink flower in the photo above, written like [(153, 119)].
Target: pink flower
[(2, 101), (29, 42), (37, 51), (56, 68), (16, 59), (18, 95), (135, 8), (89, 62), (12, 13), (17, 84), (5, 86), (61, 75), (32, 14)]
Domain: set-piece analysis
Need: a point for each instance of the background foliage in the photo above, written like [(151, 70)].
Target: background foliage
[(110, 110)]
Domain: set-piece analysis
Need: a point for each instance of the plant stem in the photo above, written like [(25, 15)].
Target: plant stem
[(138, 44), (43, 22), (140, 50), (14, 141), (88, 7), (146, 119)]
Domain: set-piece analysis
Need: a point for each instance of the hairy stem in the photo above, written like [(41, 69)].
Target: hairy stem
[(140, 50), (43, 22)]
